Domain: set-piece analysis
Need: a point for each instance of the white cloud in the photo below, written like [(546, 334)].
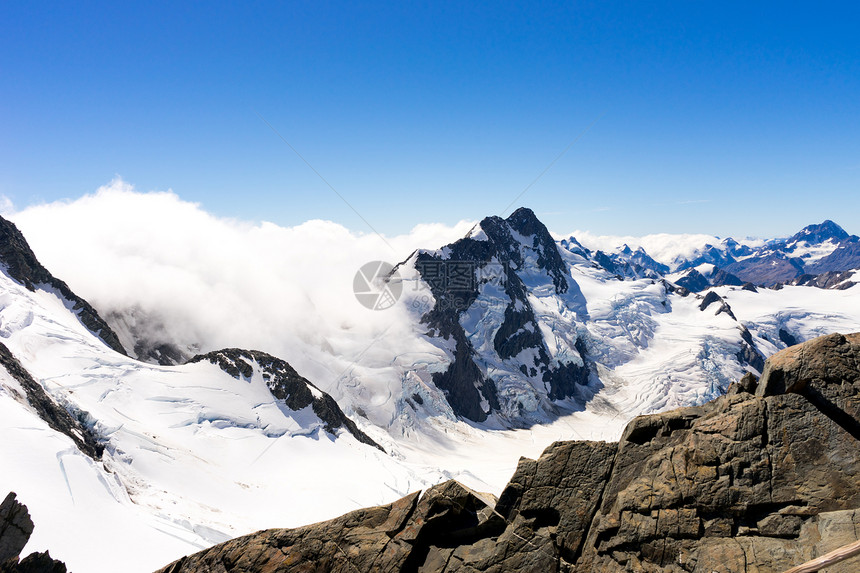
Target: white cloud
[(7, 208), (216, 281)]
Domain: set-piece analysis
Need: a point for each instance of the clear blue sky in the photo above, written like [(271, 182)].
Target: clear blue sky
[(727, 118)]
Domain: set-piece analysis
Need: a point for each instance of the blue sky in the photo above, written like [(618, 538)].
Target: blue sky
[(726, 118)]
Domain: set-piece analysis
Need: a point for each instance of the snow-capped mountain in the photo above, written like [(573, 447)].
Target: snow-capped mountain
[(815, 249), (704, 276), (488, 314), (501, 343)]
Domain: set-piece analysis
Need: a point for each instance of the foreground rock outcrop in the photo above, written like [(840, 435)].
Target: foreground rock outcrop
[(759, 480), (15, 530)]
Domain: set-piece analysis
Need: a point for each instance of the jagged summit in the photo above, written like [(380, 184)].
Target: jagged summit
[(510, 241), (482, 312), (826, 231), (21, 264)]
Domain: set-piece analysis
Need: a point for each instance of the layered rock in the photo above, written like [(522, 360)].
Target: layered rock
[(15, 530), (761, 479)]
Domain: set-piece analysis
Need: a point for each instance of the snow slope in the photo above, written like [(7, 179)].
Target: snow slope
[(192, 457)]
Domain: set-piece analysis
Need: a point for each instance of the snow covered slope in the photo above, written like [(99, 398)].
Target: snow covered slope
[(191, 454)]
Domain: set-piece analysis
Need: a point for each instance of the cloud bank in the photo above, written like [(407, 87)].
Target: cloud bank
[(216, 282)]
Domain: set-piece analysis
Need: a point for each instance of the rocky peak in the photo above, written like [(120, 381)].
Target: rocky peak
[(509, 249), (286, 385), (497, 258), (21, 265), (693, 281), (826, 231)]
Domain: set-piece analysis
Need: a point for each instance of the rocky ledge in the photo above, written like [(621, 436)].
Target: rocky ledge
[(15, 530), (759, 480)]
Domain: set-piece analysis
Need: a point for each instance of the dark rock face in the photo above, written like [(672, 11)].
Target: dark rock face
[(845, 257), (786, 337), (464, 384), (766, 270), (21, 264), (826, 280), (826, 231), (286, 385), (759, 480), (629, 263), (693, 281), (55, 415), (712, 298), (455, 279), (16, 527), (750, 354), (720, 277)]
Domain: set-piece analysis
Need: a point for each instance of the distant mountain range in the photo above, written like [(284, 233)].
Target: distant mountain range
[(814, 250)]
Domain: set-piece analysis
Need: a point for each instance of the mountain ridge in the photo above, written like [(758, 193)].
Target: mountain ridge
[(22, 265), (815, 249), (287, 385)]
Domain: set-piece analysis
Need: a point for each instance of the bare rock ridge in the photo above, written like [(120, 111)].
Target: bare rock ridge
[(761, 479), (15, 530), (22, 265), (48, 410), (287, 385)]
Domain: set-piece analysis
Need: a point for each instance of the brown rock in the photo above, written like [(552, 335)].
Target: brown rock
[(15, 527), (15, 530)]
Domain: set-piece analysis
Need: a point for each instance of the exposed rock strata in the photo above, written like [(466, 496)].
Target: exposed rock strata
[(15, 530), (759, 480)]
